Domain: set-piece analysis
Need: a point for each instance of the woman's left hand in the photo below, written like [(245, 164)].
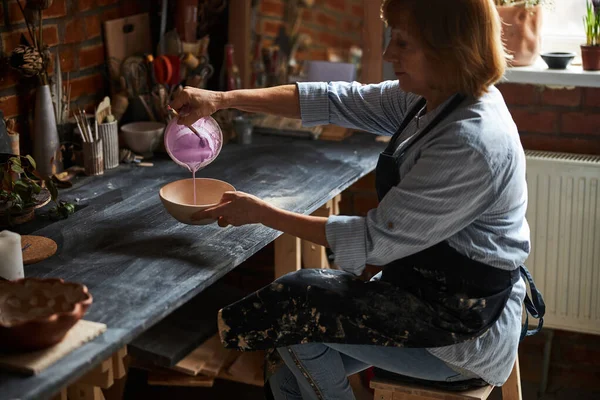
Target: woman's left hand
[(237, 209)]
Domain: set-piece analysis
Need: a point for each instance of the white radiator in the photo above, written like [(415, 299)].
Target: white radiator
[(564, 217)]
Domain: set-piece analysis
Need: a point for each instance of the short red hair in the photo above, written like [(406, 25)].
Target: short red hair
[(462, 38)]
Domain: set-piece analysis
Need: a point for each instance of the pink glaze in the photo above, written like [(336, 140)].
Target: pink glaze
[(191, 151)]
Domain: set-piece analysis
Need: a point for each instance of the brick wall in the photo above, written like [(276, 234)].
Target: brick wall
[(565, 120), (74, 27), (336, 24)]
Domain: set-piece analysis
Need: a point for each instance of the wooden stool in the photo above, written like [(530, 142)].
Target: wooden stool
[(389, 390)]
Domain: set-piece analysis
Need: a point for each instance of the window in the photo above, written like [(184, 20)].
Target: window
[(563, 26)]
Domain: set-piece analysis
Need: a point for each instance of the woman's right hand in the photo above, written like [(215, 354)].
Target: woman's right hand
[(193, 104)]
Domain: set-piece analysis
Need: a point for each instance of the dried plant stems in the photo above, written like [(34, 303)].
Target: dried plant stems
[(32, 34), (38, 42)]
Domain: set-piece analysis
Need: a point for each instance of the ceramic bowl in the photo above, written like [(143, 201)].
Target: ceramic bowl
[(178, 198), (38, 313), (143, 137), (558, 60)]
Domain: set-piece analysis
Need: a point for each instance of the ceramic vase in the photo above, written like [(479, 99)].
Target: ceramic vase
[(521, 33), (46, 144)]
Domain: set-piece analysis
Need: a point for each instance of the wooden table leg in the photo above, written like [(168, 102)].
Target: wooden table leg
[(62, 395), (287, 255), (313, 255), (79, 391), (120, 369), (104, 376)]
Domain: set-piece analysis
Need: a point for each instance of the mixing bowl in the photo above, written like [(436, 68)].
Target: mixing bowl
[(178, 198)]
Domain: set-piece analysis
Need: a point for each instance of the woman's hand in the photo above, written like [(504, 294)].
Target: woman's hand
[(237, 209), (193, 104)]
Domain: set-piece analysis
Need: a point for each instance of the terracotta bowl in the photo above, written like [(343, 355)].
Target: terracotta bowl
[(178, 198), (38, 313)]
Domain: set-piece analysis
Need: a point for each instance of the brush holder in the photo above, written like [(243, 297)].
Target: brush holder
[(93, 159)]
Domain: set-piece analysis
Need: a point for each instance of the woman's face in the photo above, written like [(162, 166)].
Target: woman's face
[(411, 65)]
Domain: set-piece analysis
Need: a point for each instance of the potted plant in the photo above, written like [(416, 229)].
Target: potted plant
[(590, 52), (21, 191), (522, 28)]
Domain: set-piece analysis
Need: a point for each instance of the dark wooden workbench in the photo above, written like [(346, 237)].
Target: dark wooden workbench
[(140, 264)]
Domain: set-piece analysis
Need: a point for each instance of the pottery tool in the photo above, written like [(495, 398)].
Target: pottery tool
[(58, 89), (81, 128), (85, 129), (150, 68), (147, 108), (103, 110), (67, 99), (176, 115), (88, 126)]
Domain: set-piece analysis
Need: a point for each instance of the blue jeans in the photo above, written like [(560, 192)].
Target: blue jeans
[(319, 371)]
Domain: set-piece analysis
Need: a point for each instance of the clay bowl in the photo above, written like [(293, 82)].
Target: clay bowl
[(143, 137), (38, 313), (178, 198)]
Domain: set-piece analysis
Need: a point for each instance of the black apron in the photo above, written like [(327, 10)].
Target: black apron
[(433, 298)]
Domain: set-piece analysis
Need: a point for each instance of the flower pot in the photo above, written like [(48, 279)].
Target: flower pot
[(591, 57), (46, 145), (10, 218), (521, 33)]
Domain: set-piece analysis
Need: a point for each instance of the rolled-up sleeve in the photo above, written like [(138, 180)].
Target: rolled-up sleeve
[(346, 237), (377, 108), (446, 190), (314, 103)]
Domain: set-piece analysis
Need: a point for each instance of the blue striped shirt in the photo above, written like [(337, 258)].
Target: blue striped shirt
[(463, 182)]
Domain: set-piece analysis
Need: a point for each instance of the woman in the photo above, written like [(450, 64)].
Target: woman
[(450, 229)]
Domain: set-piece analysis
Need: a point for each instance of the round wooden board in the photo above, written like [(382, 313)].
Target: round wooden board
[(40, 248)]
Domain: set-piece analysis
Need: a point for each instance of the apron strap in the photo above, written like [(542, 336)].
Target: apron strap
[(412, 113), (534, 305)]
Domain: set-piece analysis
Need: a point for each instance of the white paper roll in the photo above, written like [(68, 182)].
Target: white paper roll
[(11, 256)]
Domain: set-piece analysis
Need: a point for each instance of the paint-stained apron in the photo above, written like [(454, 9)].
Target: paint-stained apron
[(436, 297)]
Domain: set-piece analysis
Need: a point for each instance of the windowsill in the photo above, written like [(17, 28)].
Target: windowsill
[(540, 74)]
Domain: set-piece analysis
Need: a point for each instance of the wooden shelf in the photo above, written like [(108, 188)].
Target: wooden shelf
[(241, 30)]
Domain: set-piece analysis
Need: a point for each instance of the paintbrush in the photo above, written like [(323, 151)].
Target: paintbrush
[(176, 115)]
